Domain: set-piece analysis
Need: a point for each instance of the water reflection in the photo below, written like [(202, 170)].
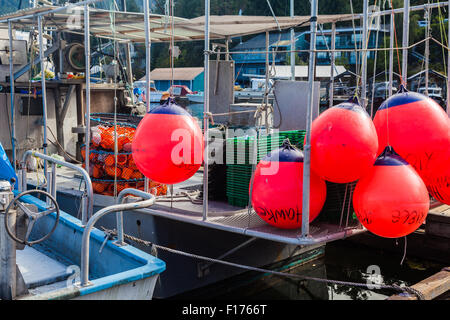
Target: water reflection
[(343, 261)]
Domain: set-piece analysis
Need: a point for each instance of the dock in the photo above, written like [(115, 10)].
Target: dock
[(434, 287)]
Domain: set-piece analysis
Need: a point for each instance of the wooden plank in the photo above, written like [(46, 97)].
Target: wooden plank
[(431, 287)]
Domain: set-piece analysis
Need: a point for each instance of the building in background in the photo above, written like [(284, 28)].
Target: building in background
[(193, 78), (250, 65)]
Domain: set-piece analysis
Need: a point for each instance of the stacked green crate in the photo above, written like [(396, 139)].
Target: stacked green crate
[(239, 155)]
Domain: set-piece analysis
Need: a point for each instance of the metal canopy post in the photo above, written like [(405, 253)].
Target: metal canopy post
[(427, 50), (391, 52), (307, 147), (12, 92), (365, 42), (147, 65), (205, 112), (405, 41), (87, 52), (292, 43), (448, 62), (44, 91), (333, 62)]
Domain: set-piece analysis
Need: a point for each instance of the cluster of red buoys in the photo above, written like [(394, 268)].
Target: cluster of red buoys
[(396, 160)]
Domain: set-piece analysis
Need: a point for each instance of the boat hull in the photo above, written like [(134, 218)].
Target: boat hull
[(185, 273)]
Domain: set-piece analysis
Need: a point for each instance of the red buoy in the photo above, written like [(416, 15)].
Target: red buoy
[(417, 128), (168, 144), (344, 143), (391, 201), (277, 188)]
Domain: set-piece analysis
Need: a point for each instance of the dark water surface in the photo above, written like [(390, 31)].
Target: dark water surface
[(343, 260)]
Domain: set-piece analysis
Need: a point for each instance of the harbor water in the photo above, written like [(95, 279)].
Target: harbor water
[(343, 261)]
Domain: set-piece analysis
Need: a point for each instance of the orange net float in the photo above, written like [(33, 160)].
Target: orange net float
[(168, 144), (136, 175), (417, 128), (391, 207), (278, 187), (344, 143), (99, 187), (126, 173), (97, 171), (131, 163), (83, 152), (113, 171)]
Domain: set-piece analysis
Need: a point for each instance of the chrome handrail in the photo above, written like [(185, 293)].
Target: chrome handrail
[(86, 212), (149, 200)]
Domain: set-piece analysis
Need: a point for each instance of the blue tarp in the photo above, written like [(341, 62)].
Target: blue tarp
[(6, 170)]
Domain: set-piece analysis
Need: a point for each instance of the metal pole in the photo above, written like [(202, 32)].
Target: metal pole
[(448, 62), (427, 51), (8, 269), (333, 61), (307, 146), (128, 57), (44, 91), (147, 65), (405, 41), (391, 52), (12, 92), (292, 43), (266, 93), (364, 56), (205, 112), (87, 53), (150, 199)]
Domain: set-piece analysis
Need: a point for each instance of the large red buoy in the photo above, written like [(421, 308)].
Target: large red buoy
[(391, 201), (344, 143), (168, 144), (417, 128), (277, 188)]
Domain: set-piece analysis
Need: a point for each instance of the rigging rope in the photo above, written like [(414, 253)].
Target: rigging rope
[(404, 289)]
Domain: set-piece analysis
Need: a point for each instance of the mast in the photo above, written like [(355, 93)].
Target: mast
[(205, 112), (87, 135), (391, 52), (405, 41), (307, 147), (147, 66), (333, 59), (292, 44), (448, 62), (12, 93), (364, 54)]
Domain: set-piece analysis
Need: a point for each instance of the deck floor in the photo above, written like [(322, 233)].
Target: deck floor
[(220, 215)]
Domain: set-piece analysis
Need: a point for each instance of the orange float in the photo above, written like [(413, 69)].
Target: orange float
[(277, 188), (417, 128), (168, 144), (391, 201), (344, 143)]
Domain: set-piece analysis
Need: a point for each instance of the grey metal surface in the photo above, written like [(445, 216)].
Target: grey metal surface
[(87, 211), (221, 88), (291, 100), (150, 199)]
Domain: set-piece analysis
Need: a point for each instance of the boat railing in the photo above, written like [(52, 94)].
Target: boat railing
[(149, 200), (87, 206)]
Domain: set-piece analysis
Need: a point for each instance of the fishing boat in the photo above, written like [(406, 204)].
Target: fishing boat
[(201, 240), (42, 248), (195, 97)]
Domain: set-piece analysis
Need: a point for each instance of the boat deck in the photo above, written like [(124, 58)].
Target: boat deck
[(221, 215), (42, 273)]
